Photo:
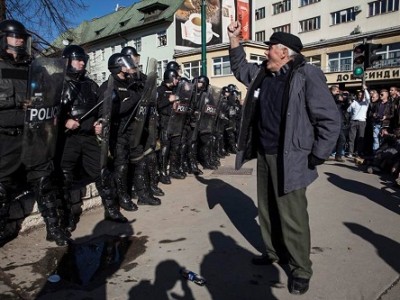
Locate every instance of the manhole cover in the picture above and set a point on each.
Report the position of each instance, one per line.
(232, 171)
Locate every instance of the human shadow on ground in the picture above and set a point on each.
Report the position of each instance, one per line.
(85, 268)
(381, 197)
(386, 248)
(239, 208)
(230, 274)
(167, 275)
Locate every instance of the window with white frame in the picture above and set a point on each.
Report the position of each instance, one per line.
(310, 24)
(390, 56)
(221, 66)
(191, 69)
(137, 44)
(343, 16)
(103, 52)
(281, 6)
(314, 60)
(382, 6)
(103, 76)
(307, 2)
(161, 65)
(95, 77)
(260, 36)
(256, 59)
(112, 49)
(162, 38)
(283, 28)
(260, 13)
(94, 57)
(340, 61)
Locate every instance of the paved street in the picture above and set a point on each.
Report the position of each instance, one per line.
(209, 225)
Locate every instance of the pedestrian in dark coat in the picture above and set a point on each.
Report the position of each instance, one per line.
(290, 123)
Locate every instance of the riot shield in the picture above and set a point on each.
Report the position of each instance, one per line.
(180, 109)
(105, 120)
(149, 96)
(208, 113)
(45, 87)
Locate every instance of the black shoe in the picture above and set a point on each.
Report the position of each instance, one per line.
(176, 175)
(115, 216)
(164, 179)
(149, 201)
(128, 205)
(156, 191)
(263, 260)
(298, 286)
(58, 236)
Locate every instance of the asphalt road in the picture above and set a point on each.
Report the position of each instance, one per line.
(209, 225)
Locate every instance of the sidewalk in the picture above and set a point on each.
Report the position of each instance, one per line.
(209, 225)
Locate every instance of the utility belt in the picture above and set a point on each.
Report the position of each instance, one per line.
(11, 131)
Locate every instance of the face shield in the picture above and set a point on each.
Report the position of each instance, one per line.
(21, 44)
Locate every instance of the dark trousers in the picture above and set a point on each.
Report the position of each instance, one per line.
(82, 151)
(357, 130)
(283, 219)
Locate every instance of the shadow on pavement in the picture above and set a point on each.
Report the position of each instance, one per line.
(167, 274)
(238, 207)
(230, 275)
(374, 194)
(386, 248)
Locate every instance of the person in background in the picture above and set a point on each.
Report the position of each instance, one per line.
(358, 120)
(290, 124)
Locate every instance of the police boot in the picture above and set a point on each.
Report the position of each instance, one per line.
(121, 178)
(193, 167)
(47, 203)
(231, 142)
(133, 192)
(184, 159)
(174, 165)
(145, 198)
(108, 198)
(164, 175)
(221, 152)
(151, 163)
(4, 209)
(68, 217)
(205, 155)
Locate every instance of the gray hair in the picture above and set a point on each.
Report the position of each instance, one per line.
(291, 53)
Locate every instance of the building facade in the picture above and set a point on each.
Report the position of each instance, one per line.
(329, 30)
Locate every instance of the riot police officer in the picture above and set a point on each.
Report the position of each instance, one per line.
(14, 61)
(81, 145)
(127, 98)
(169, 143)
(205, 123)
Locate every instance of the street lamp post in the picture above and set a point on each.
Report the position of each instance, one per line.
(203, 39)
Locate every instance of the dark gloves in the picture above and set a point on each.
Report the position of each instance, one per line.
(314, 161)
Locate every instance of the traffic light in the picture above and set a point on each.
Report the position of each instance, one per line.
(371, 55)
(359, 59)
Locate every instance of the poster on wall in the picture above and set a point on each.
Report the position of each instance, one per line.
(243, 16)
(219, 14)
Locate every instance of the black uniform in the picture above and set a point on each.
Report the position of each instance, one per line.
(13, 95)
(82, 147)
(169, 143)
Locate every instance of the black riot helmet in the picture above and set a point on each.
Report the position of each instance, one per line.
(75, 52)
(231, 87)
(13, 28)
(129, 50)
(224, 90)
(169, 75)
(119, 60)
(173, 65)
(204, 80)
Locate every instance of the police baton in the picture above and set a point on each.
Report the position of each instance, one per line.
(87, 113)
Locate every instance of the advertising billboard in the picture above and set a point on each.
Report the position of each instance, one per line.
(219, 14)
